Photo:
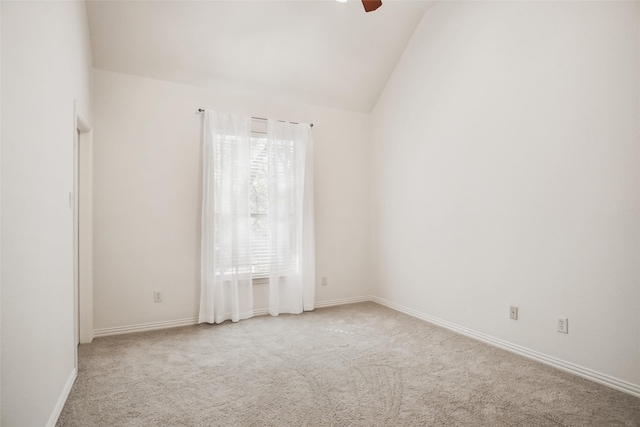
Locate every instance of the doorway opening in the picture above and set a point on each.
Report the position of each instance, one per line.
(81, 198)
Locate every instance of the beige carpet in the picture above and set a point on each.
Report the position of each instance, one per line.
(353, 365)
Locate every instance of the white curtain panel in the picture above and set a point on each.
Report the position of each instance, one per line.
(290, 218)
(226, 282)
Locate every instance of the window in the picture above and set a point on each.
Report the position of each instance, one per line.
(266, 212)
(257, 216)
(259, 202)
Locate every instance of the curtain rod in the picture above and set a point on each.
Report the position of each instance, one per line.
(200, 110)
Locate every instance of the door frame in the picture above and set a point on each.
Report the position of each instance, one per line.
(82, 228)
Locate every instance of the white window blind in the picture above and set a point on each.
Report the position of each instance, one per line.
(273, 203)
(259, 202)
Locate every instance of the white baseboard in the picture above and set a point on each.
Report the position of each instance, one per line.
(589, 374)
(320, 304)
(583, 372)
(342, 301)
(261, 312)
(57, 410)
(104, 332)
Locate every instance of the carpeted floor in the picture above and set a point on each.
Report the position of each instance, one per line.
(353, 365)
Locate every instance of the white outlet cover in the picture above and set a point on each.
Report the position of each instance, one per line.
(563, 325)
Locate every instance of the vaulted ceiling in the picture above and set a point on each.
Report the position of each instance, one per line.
(318, 52)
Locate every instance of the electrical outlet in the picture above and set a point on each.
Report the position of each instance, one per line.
(324, 281)
(513, 313)
(157, 296)
(563, 325)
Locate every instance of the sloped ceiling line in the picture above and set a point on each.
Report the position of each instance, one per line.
(322, 53)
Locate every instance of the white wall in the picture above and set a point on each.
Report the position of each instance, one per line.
(46, 64)
(0, 210)
(505, 169)
(147, 196)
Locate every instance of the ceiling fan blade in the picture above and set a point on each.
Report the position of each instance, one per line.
(371, 5)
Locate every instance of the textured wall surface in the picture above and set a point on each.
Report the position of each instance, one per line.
(46, 65)
(505, 172)
(148, 190)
